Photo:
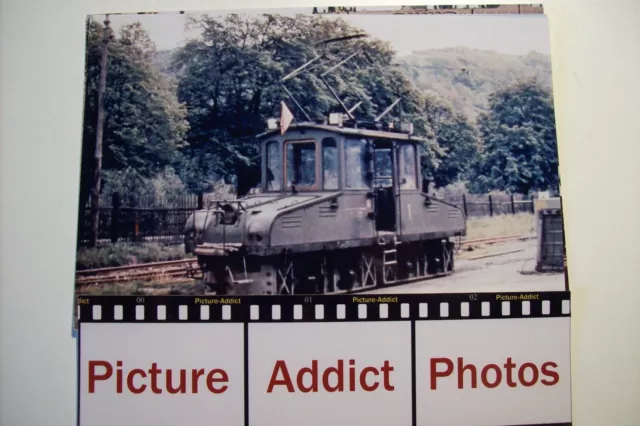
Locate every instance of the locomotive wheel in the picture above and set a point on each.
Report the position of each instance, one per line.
(331, 273)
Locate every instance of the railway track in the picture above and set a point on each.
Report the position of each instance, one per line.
(186, 268)
(189, 269)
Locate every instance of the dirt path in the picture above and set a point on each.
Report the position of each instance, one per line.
(491, 274)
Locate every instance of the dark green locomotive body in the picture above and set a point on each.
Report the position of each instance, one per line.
(339, 209)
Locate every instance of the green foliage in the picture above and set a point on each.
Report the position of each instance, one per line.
(519, 150)
(123, 254)
(460, 141)
(145, 126)
(180, 121)
(133, 186)
(456, 139)
(229, 80)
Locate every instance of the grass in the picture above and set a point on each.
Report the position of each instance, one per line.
(157, 287)
(501, 225)
(127, 254)
(122, 289)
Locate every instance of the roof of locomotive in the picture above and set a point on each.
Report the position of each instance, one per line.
(349, 131)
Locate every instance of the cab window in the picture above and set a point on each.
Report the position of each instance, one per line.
(355, 166)
(301, 163)
(408, 178)
(274, 167)
(330, 163)
(383, 165)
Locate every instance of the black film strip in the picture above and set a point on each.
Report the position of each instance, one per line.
(335, 308)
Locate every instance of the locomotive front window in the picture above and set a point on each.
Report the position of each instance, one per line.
(356, 166)
(274, 167)
(408, 175)
(330, 163)
(301, 164)
(383, 163)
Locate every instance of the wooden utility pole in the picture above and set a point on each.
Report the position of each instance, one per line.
(97, 170)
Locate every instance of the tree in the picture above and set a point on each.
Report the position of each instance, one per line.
(144, 124)
(229, 80)
(455, 142)
(519, 146)
(458, 140)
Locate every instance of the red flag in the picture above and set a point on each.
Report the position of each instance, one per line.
(286, 117)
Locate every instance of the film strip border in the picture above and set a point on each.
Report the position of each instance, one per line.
(346, 308)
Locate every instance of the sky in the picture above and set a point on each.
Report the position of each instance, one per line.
(512, 34)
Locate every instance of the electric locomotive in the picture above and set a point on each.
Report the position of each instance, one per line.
(341, 207)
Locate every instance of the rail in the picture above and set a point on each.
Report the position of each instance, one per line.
(185, 268)
(96, 271)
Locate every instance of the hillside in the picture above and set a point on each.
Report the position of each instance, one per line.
(162, 61)
(441, 71)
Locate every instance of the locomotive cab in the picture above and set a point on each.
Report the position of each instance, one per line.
(372, 166)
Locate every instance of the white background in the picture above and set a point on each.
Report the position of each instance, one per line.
(176, 346)
(596, 66)
(483, 342)
(369, 343)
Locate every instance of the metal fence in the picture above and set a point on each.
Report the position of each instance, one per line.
(151, 220)
(475, 205)
(162, 220)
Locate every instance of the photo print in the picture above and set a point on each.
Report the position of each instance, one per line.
(320, 150)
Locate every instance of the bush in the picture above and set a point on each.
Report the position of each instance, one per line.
(133, 187)
(127, 254)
